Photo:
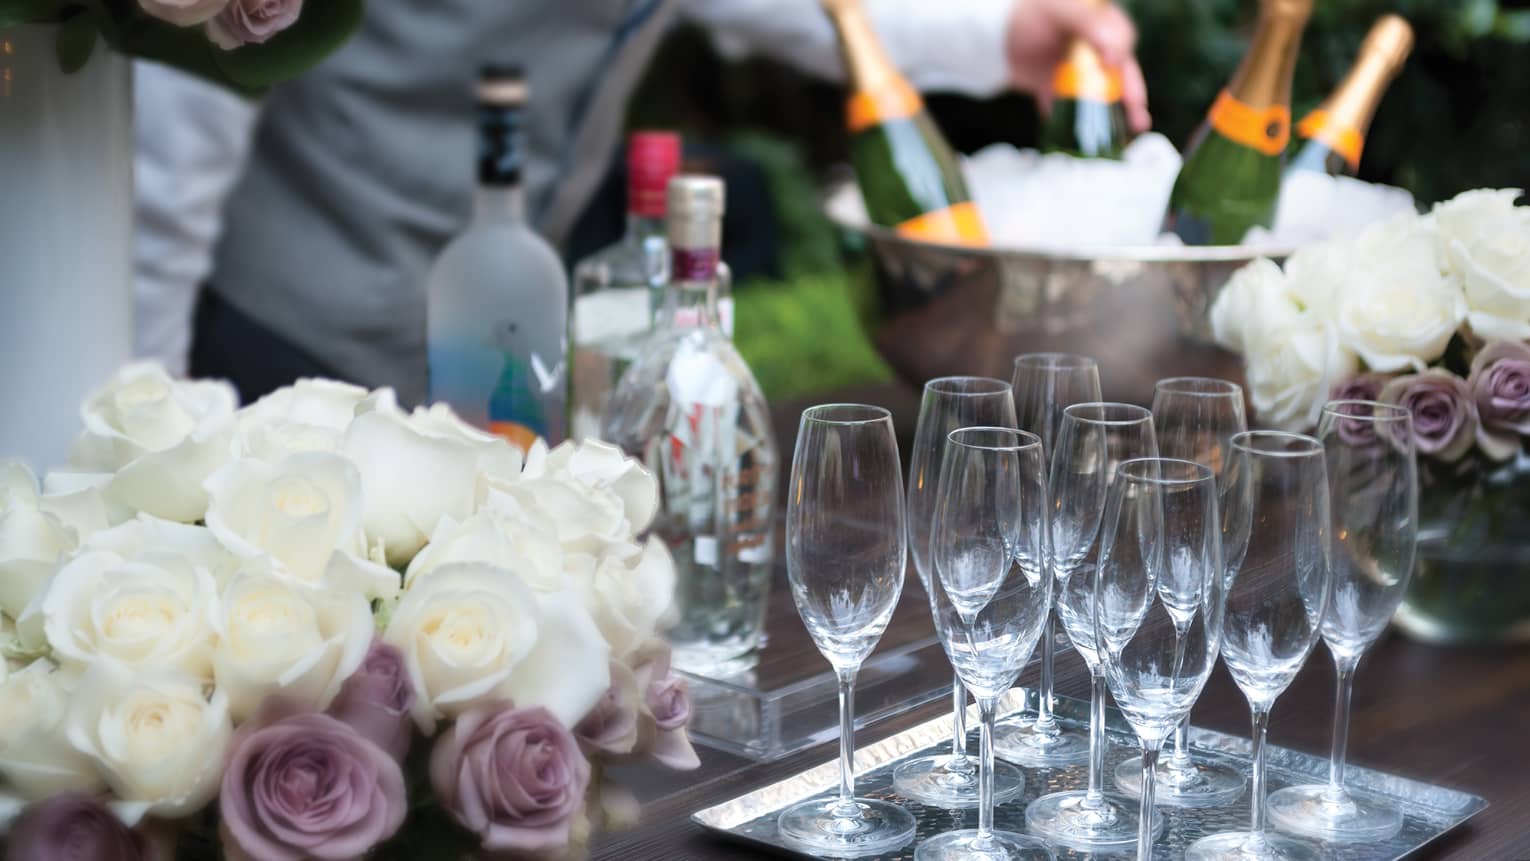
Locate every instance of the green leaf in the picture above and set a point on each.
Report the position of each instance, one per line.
(76, 38)
(319, 31)
(13, 12)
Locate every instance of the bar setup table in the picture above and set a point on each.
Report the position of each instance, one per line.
(1447, 716)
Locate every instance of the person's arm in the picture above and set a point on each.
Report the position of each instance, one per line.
(192, 141)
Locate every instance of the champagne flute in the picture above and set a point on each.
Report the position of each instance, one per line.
(1195, 419)
(949, 403)
(845, 552)
(1276, 535)
(989, 593)
(1045, 384)
(1373, 497)
(1157, 645)
(1093, 441)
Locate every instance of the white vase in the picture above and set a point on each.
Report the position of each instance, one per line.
(66, 232)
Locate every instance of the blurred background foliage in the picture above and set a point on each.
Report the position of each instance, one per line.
(1457, 117)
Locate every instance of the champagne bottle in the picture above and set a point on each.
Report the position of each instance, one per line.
(908, 174)
(1333, 135)
(1230, 180)
(1087, 119)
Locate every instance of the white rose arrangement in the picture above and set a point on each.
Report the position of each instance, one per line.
(207, 595)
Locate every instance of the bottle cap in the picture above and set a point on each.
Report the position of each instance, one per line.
(1391, 38)
(501, 84)
(653, 157)
(695, 196)
(695, 225)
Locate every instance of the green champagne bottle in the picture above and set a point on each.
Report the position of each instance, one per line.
(1087, 119)
(1230, 180)
(908, 174)
(1333, 135)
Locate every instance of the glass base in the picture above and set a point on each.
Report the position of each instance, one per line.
(931, 780)
(1251, 846)
(1022, 743)
(1202, 784)
(870, 827)
(964, 845)
(1310, 812)
(1063, 818)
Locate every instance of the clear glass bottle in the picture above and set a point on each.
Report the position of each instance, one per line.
(497, 298)
(689, 407)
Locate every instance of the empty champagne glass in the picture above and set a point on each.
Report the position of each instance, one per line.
(1158, 602)
(1195, 419)
(1094, 440)
(989, 592)
(1276, 536)
(845, 554)
(1045, 384)
(1373, 498)
(949, 403)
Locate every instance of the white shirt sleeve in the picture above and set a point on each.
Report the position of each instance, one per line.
(192, 138)
(942, 45)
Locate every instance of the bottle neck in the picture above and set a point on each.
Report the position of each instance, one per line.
(498, 204)
(1344, 118)
(867, 65)
(1264, 78)
(691, 300)
(499, 195)
(642, 227)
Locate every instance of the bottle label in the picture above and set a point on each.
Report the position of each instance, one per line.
(870, 108)
(499, 144)
(957, 224)
(1344, 140)
(693, 264)
(1265, 130)
(1089, 81)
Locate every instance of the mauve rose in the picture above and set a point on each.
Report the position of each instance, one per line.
(183, 13)
(243, 22)
(1361, 387)
(514, 777)
(666, 710)
(303, 785)
(74, 826)
(611, 727)
(376, 700)
(1500, 387)
(1444, 419)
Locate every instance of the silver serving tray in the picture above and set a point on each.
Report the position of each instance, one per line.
(1429, 810)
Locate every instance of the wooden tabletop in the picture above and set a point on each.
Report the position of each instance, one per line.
(1456, 717)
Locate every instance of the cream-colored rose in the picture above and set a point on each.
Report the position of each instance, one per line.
(1396, 309)
(32, 541)
(1484, 240)
(601, 467)
(630, 596)
(310, 415)
(148, 534)
(529, 549)
(588, 493)
(275, 637)
(305, 512)
(1255, 297)
(569, 667)
(1292, 368)
(463, 630)
(154, 610)
(35, 756)
(156, 737)
(160, 437)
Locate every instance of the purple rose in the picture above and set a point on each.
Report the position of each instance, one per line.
(304, 785)
(376, 700)
(611, 727)
(515, 777)
(1444, 419)
(243, 22)
(1500, 389)
(666, 710)
(74, 826)
(1361, 387)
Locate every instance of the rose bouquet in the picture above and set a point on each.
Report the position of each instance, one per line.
(246, 45)
(1432, 313)
(322, 627)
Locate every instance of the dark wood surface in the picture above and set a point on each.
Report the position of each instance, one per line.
(1457, 717)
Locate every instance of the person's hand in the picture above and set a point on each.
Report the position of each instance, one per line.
(1039, 33)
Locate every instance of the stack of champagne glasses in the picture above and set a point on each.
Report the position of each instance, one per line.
(1159, 538)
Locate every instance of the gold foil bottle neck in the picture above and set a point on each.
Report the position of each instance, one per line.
(867, 65)
(1264, 78)
(1390, 41)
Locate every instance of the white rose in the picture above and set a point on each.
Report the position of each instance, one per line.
(147, 533)
(590, 493)
(278, 637)
(161, 438)
(32, 541)
(530, 550)
(632, 595)
(305, 512)
(1396, 309)
(1292, 368)
(1317, 275)
(1256, 296)
(35, 756)
(157, 739)
(1484, 240)
(462, 630)
(154, 610)
(83, 501)
(309, 415)
(569, 667)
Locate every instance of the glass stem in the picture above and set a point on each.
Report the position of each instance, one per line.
(1046, 724)
(1095, 797)
(1181, 758)
(987, 708)
(1145, 820)
(958, 721)
(1256, 801)
(1344, 687)
(847, 806)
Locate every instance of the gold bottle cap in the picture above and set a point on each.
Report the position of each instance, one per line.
(1295, 9)
(1391, 39)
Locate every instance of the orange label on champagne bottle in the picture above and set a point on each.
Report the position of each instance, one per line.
(869, 108)
(1342, 139)
(1266, 130)
(1086, 80)
(958, 224)
(515, 433)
